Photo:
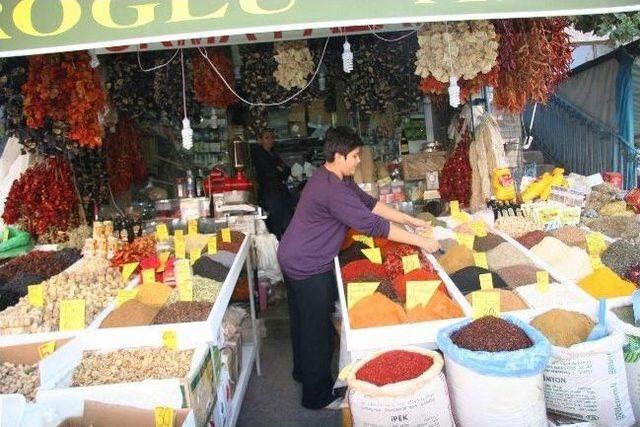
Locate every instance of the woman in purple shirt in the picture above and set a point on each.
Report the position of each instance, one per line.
(330, 204)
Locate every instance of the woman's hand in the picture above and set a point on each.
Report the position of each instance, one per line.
(417, 222)
(429, 245)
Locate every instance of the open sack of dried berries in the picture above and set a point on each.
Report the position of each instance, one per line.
(399, 387)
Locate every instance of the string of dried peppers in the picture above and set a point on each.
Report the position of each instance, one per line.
(124, 161)
(208, 87)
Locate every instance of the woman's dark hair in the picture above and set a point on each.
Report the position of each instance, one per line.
(340, 140)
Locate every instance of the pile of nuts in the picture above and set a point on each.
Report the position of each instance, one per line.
(19, 379)
(95, 281)
(131, 365)
(516, 226)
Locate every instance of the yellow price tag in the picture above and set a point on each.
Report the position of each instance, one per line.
(479, 228)
(596, 262)
(46, 349)
(486, 281)
(364, 239)
(148, 276)
(182, 272)
(192, 227)
(485, 304)
(596, 243)
(5, 234)
(373, 254)
(162, 233)
(35, 295)
(164, 257)
(480, 259)
(212, 246)
(72, 315)
(128, 269)
(125, 295)
(466, 240)
(410, 263)
(178, 233)
(454, 205)
(186, 290)
(226, 235)
(170, 340)
(164, 417)
(358, 291)
(542, 281)
(179, 247)
(195, 255)
(420, 293)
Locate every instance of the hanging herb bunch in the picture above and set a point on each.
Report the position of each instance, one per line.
(43, 199)
(380, 76)
(208, 87)
(90, 176)
(124, 161)
(167, 88)
(295, 64)
(465, 50)
(535, 57)
(130, 89)
(65, 89)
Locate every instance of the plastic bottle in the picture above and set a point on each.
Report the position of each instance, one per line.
(191, 185)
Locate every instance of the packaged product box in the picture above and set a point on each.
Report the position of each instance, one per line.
(415, 166)
(99, 414)
(196, 391)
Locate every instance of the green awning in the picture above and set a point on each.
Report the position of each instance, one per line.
(40, 26)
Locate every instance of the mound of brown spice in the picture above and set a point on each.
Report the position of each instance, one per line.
(491, 334)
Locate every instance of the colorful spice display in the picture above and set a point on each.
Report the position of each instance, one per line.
(605, 283)
(468, 279)
(393, 367)
(43, 198)
(564, 328)
(376, 310)
(456, 258)
(491, 334)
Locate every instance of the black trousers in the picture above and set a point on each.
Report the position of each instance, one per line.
(311, 302)
(280, 210)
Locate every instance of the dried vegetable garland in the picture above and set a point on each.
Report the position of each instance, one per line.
(130, 88)
(43, 198)
(208, 87)
(64, 88)
(295, 64)
(462, 50)
(125, 164)
(90, 176)
(534, 58)
(455, 178)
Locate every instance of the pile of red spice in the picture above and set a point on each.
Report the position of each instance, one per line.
(393, 367)
(393, 259)
(355, 269)
(491, 334)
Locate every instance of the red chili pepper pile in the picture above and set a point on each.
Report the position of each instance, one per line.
(43, 198)
(455, 178)
(393, 367)
(64, 87)
(393, 260)
(207, 85)
(141, 248)
(355, 269)
(124, 161)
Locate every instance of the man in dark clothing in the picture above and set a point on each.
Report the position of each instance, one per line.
(330, 203)
(271, 173)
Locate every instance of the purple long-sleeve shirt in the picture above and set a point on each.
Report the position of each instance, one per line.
(327, 208)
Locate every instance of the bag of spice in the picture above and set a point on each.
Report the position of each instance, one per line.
(495, 388)
(399, 387)
(587, 381)
(623, 321)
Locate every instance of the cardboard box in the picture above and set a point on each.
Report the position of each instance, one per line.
(196, 391)
(97, 414)
(415, 166)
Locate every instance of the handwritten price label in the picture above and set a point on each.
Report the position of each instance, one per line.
(542, 281)
(485, 304)
(178, 233)
(182, 271)
(192, 227)
(162, 233)
(486, 281)
(480, 260)
(170, 340)
(466, 240)
(364, 239)
(164, 257)
(179, 247)
(186, 291)
(454, 205)
(148, 276)
(358, 291)
(128, 269)
(373, 255)
(195, 255)
(212, 246)
(479, 228)
(410, 263)
(35, 295)
(72, 315)
(164, 417)
(226, 235)
(419, 293)
(46, 349)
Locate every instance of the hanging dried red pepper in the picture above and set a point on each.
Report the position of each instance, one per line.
(124, 161)
(208, 86)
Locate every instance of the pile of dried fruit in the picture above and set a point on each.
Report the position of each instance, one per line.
(19, 379)
(141, 248)
(43, 198)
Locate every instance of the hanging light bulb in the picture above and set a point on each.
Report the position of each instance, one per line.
(454, 92)
(347, 57)
(95, 62)
(187, 134)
